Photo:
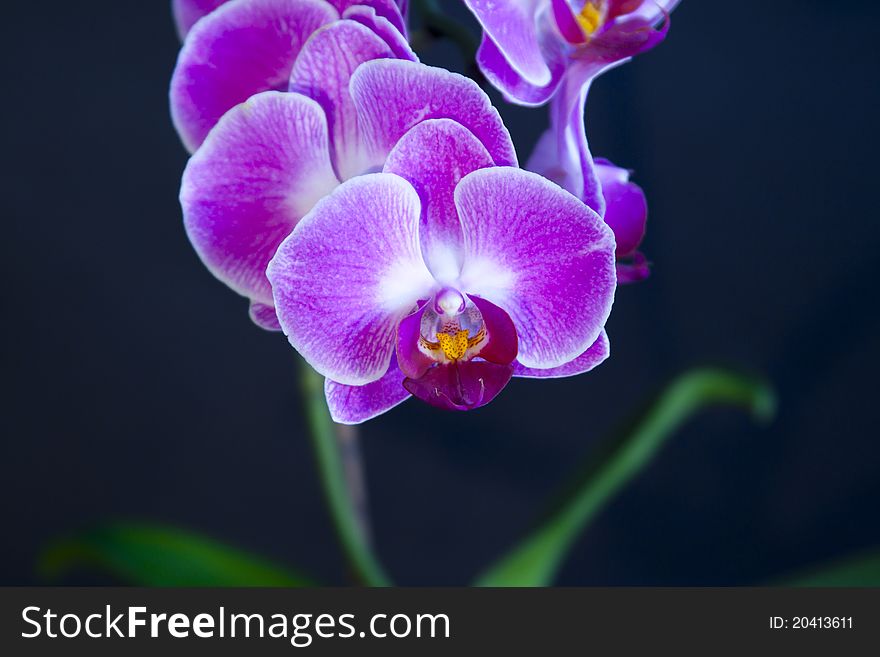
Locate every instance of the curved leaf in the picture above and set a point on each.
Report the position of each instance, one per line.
(858, 570)
(153, 555)
(536, 559)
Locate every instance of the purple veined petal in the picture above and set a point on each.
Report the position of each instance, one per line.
(626, 209)
(502, 344)
(368, 17)
(626, 34)
(188, 12)
(545, 161)
(234, 52)
(411, 360)
(433, 156)
(356, 404)
(460, 386)
(387, 9)
(541, 255)
(262, 167)
(512, 85)
(264, 316)
(322, 71)
(633, 270)
(386, 114)
(346, 276)
(513, 29)
(597, 353)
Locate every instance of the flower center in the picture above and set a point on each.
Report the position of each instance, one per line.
(590, 18)
(452, 328)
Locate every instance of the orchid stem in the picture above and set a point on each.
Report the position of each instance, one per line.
(342, 476)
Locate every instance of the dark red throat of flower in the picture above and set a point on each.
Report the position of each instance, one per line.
(460, 385)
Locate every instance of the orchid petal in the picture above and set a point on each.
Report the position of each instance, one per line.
(433, 156)
(356, 404)
(259, 171)
(234, 52)
(322, 71)
(542, 256)
(626, 209)
(411, 360)
(512, 85)
(368, 17)
(460, 386)
(264, 316)
(348, 274)
(513, 28)
(188, 12)
(501, 344)
(387, 9)
(393, 95)
(593, 356)
(545, 161)
(564, 18)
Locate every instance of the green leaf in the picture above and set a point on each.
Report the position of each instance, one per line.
(153, 555)
(858, 570)
(536, 560)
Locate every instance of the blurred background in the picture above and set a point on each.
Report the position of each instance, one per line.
(137, 387)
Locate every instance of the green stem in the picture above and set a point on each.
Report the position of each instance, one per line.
(535, 560)
(341, 474)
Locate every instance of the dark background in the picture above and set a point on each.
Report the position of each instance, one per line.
(136, 386)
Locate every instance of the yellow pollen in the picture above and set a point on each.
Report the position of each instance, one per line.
(454, 345)
(590, 18)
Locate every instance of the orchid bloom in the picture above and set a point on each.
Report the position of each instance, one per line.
(441, 277)
(233, 50)
(535, 50)
(188, 12)
(269, 160)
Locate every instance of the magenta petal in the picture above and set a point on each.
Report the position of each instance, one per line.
(502, 344)
(348, 274)
(238, 50)
(627, 36)
(563, 17)
(393, 95)
(387, 9)
(545, 161)
(460, 386)
(512, 85)
(356, 404)
(542, 256)
(188, 12)
(411, 360)
(264, 316)
(513, 28)
(260, 170)
(626, 209)
(322, 71)
(368, 17)
(593, 356)
(433, 157)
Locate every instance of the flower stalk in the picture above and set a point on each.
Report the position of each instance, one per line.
(340, 470)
